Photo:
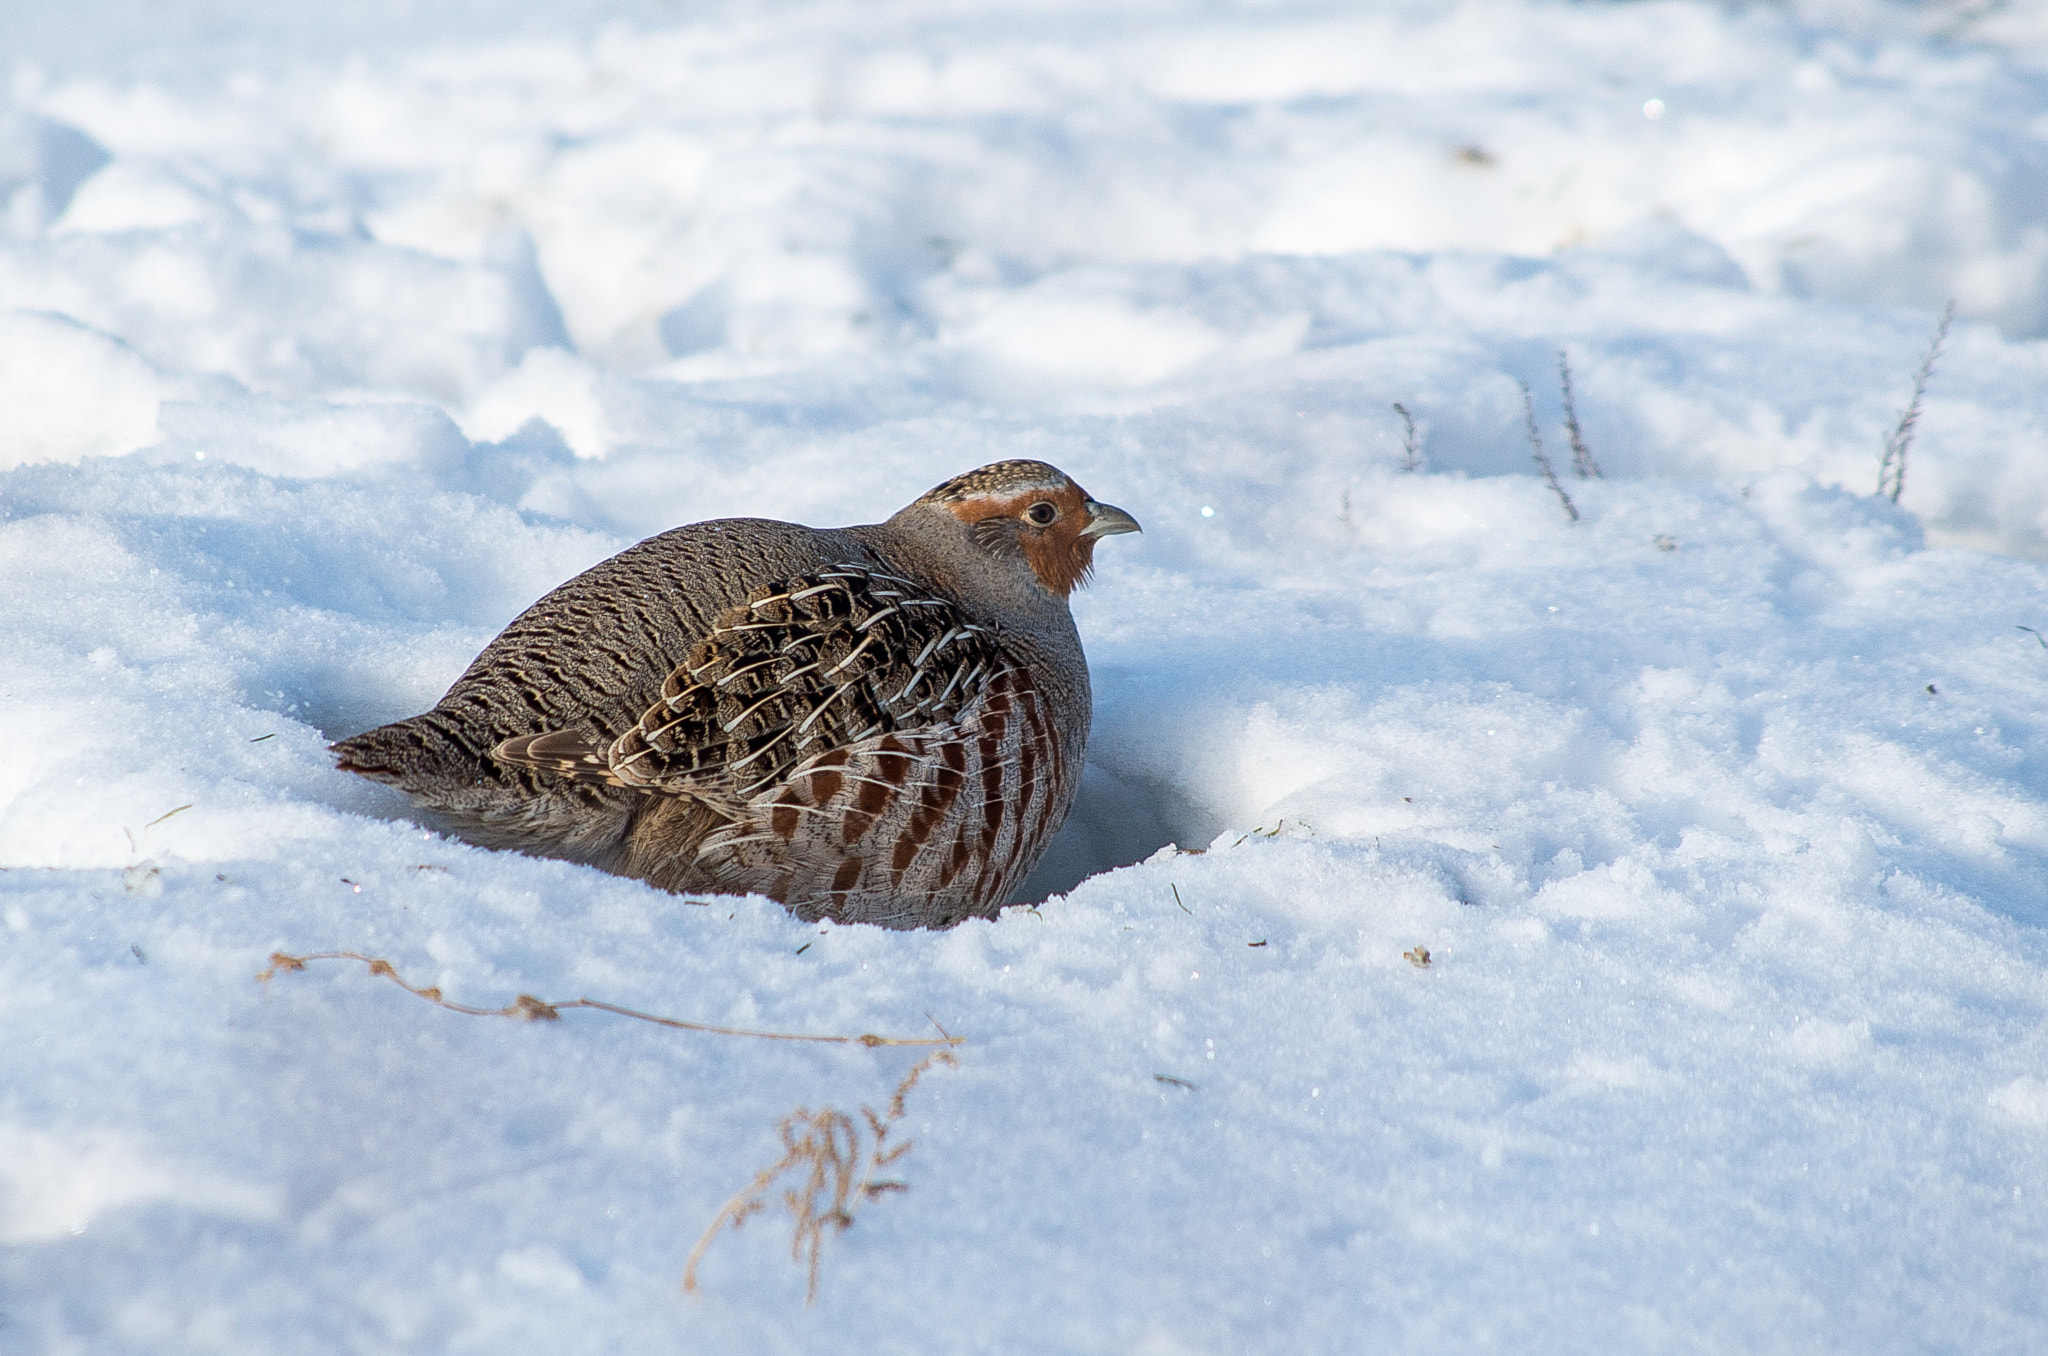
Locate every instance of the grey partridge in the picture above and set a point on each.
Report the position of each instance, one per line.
(880, 724)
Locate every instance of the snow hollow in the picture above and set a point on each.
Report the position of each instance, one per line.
(1482, 928)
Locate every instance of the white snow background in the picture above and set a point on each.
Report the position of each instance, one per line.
(332, 335)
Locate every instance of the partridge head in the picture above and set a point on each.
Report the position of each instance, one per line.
(883, 723)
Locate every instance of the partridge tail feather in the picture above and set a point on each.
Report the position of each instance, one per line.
(365, 757)
(511, 796)
(406, 751)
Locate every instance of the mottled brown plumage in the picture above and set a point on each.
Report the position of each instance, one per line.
(882, 723)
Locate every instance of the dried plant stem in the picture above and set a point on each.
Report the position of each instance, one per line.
(1891, 467)
(837, 1175)
(1542, 457)
(1583, 464)
(527, 1008)
(1411, 449)
(135, 840)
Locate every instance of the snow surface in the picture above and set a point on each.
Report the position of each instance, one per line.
(332, 335)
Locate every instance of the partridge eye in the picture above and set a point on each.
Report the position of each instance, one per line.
(1041, 514)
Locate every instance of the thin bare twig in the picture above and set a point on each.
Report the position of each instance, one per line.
(1891, 467)
(1583, 464)
(527, 1008)
(1542, 457)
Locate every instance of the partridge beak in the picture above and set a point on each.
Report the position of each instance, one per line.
(1107, 520)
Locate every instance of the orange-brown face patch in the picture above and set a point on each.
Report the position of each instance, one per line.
(1057, 553)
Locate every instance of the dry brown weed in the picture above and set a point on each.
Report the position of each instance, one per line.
(837, 1168)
